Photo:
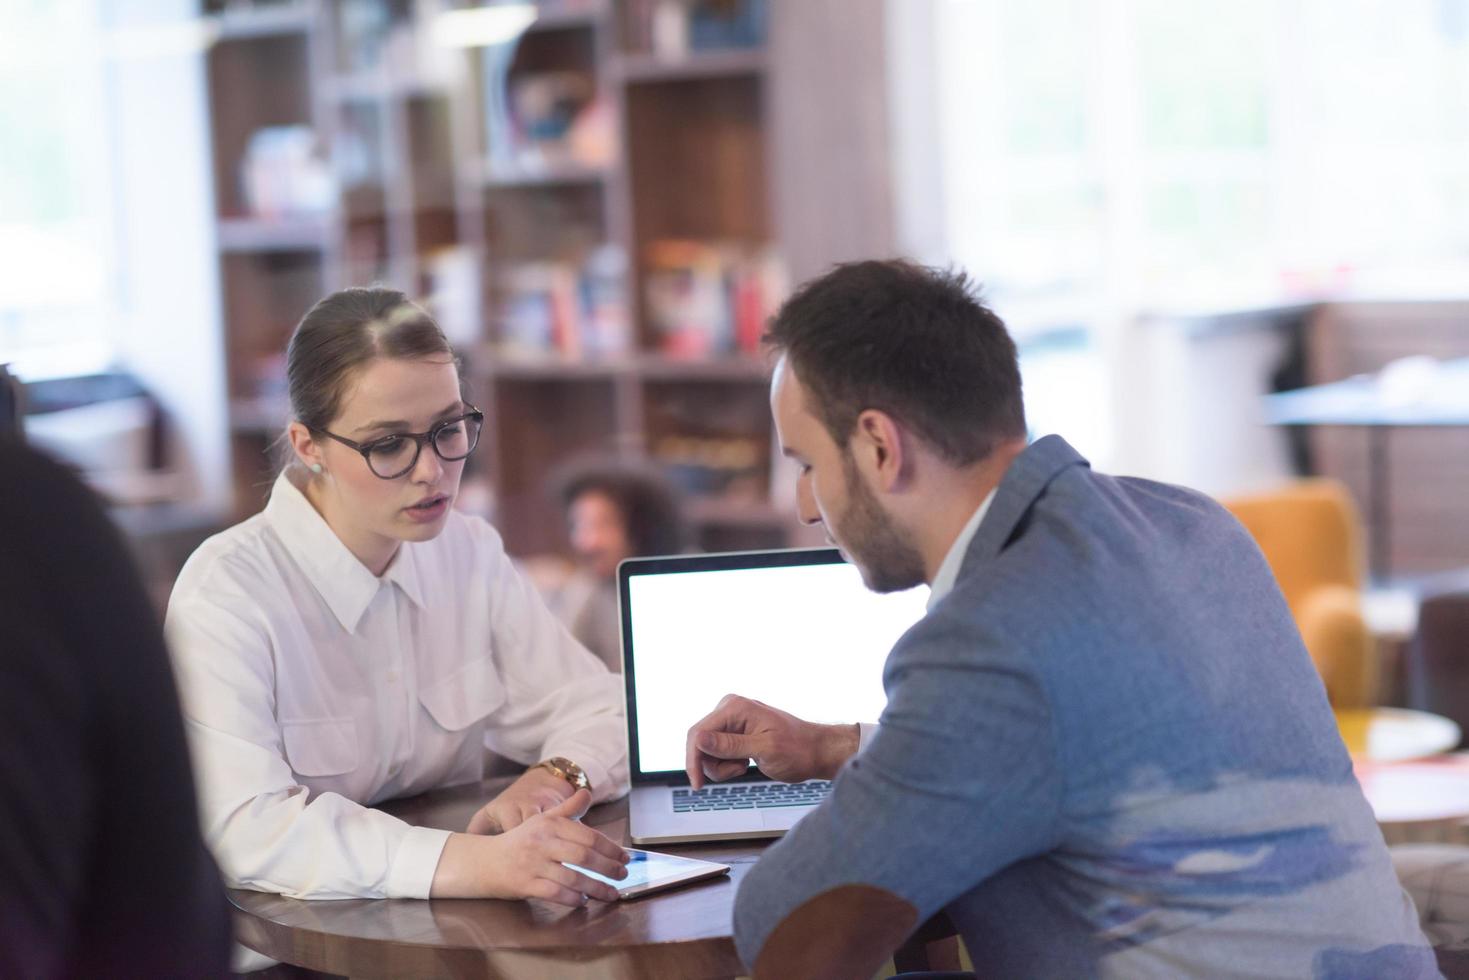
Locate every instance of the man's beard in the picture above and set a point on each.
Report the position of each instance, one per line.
(887, 558)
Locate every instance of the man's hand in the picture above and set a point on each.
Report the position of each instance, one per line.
(536, 791)
(526, 862)
(721, 745)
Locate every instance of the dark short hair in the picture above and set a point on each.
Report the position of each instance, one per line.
(909, 340)
(647, 502)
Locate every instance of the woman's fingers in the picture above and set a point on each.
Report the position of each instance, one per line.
(555, 836)
(484, 822)
(573, 806)
(587, 858)
(549, 891)
(590, 838)
(576, 881)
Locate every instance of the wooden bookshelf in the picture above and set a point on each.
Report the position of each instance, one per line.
(682, 147)
(262, 235)
(635, 68)
(545, 176)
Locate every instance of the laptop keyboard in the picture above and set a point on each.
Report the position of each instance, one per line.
(750, 796)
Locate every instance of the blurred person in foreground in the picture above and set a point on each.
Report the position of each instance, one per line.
(1105, 751)
(613, 511)
(103, 872)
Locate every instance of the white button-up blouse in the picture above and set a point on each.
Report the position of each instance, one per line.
(313, 689)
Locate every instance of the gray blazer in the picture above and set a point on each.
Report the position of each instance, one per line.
(1106, 753)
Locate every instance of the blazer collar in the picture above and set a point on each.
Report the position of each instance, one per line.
(1025, 480)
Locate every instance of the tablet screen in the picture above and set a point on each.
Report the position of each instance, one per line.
(650, 871)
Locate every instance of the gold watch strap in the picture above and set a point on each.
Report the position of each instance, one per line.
(567, 770)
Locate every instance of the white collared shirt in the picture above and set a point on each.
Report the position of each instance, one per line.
(943, 584)
(313, 689)
(948, 573)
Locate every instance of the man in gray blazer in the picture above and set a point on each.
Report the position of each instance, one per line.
(1105, 751)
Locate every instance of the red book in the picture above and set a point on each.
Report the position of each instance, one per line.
(749, 311)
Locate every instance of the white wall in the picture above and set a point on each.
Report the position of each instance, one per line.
(1194, 411)
(169, 332)
(919, 225)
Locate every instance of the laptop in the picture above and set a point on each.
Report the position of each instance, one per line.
(795, 629)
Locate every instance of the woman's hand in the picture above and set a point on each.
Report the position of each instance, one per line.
(526, 861)
(536, 791)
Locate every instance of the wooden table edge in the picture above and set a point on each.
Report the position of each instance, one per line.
(316, 949)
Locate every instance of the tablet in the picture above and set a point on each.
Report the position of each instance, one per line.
(649, 871)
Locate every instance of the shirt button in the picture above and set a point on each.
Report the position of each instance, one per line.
(392, 677)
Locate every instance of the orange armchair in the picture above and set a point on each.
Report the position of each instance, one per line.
(1311, 535)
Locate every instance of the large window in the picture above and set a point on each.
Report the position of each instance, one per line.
(55, 201)
(1158, 151)
(1102, 158)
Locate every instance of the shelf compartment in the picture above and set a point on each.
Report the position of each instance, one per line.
(265, 296)
(258, 82)
(542, 424)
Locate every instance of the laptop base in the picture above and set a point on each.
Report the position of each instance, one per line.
(651, 820)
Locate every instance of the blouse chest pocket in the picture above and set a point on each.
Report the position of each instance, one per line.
(464, 697)
(326, 747)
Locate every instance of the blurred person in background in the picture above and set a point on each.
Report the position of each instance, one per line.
(102, 868)
(360, 640)
(613, 511)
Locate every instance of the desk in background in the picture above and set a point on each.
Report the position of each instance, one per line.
(1360, 402)
(1418, 794)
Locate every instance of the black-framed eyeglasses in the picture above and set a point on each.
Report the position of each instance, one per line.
(395, 455)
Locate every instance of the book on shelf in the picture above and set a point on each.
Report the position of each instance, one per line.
(720, 24)
(574, 310)
(709, 299)
(540, 121)
(725, 467)
(671, 29)
(363, 31)
(283, 174)
(453, 293)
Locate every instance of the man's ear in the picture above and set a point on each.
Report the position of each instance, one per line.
(883, 450)
(306, 448)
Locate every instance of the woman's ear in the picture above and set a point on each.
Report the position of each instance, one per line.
(306, 448)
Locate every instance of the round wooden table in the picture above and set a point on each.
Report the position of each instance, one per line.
(1420, 802)
(686, 932)
(1395, 734)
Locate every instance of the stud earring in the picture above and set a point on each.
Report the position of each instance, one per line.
(316, 468)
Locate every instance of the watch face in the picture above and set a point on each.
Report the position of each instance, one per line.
(569, 771)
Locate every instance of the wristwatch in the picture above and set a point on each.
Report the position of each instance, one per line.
(567, 770)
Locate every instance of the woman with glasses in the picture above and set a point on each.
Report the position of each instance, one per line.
(360, 640)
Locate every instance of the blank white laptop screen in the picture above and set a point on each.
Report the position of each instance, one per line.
(808, 639)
